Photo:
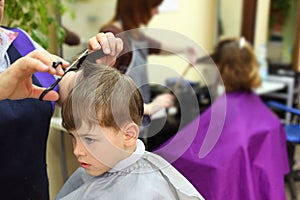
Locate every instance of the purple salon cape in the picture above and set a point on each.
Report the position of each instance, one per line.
(235, 150)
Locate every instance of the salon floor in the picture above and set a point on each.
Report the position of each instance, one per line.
(297, 166)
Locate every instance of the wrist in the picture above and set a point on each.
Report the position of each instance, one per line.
(147, 109)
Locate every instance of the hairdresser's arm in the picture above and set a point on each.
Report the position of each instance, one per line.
(161, 101)
(189, 51)
(16, 81)
(110, 45)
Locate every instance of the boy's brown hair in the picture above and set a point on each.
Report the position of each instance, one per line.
(102, 95)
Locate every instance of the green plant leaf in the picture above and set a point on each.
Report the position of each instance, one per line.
(35, 18)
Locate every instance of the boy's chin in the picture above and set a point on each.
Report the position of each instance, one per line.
(96, 172)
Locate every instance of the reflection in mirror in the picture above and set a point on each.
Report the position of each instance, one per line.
(282, 34)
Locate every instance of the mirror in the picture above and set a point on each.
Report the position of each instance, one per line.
(282, 30)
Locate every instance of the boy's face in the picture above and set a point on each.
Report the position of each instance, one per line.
(98, 149)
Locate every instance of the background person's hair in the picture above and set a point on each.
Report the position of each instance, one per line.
(102, 96)
(237, 64)
(133, 13)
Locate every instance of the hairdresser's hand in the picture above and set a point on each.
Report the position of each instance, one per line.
(110, 44)
(192, 55)
(159, 102)
(16, 81)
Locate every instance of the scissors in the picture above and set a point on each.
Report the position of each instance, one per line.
(93, 56)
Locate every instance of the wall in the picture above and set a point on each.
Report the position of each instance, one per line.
(231, 17)
(89, 16)
(262, 24)
(201, 17)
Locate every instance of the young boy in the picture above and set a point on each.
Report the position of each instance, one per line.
(103, 113)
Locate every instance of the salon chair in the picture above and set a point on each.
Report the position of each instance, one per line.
(290, 94)
(292, 132)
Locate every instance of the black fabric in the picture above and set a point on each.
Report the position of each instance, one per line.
(13, 53)
(24, 131)
(23, 143)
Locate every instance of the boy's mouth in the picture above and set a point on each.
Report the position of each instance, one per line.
(84, 165)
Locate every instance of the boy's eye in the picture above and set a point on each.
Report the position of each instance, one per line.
(89, 140)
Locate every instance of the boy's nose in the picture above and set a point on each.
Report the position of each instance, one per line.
(79, 149)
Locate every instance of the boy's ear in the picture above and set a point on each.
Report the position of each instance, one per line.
(131, 132)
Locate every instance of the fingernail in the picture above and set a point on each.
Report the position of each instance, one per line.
(107, 50)
(45, 67)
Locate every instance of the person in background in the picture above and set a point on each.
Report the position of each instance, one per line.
(114, 163)
(133, 60)
(239, 148)
(25, 123)
(71, 38)
(129, 16)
